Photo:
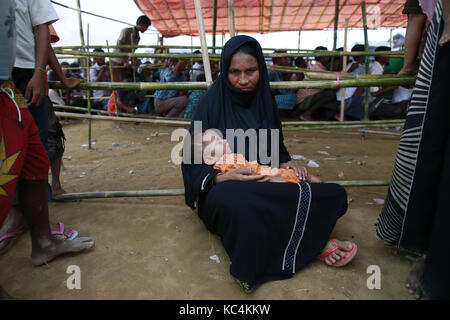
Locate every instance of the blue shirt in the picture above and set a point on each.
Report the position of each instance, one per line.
(168, 76)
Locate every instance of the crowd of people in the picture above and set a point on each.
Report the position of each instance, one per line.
(281, 218)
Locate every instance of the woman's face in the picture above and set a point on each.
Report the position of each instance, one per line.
(243, 72)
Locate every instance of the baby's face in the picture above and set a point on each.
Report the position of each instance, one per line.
(214, 147)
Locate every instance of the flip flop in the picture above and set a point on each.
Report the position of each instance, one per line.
(349, 255)
(61, 232)
(13, 236)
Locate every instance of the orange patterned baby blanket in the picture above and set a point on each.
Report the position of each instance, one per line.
(232, 161)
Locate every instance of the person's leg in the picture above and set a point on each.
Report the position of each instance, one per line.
(162, 106)
(55, 168)
(45, 246)
(180, 104)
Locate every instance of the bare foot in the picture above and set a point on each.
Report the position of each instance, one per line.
(414, 277)
(338, 254)
(57, 191)
(48, 250)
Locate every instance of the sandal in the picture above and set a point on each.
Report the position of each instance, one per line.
(12, 236)
(349, 255)
(73, 235)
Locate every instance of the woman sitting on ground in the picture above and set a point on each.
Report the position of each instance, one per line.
(269, 230)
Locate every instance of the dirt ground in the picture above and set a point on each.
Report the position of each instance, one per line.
(157, 248)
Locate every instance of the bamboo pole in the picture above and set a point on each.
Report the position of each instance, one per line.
(336, 19)
(319, 84)
(88, 77)
(366, 48)
(344, 69)
(123, 119)
(80, 23)
(112, 80)
(288, 126)
(122, 114)
(181, 192)
(205, 55)
(231, 18)
(217, 56)
(215, 26)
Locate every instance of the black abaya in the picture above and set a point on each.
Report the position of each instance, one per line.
(269, 230)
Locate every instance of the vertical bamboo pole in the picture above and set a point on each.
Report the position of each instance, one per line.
(231, 18)
(88, 77)
(299, 34)
(133, 64)
(344, 68)
(112, 80)
(390, 39)
(366, 48)
(80, 23)
(214, 26)
(201, 31)
(336, 20)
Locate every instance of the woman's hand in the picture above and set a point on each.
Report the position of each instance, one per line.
(273, 179)
(242, 174)
(299, 170)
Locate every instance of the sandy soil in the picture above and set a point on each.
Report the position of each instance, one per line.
(157, 248)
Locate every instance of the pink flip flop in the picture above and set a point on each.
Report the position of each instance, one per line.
(61, 232)
(349, 255)
(13, 236)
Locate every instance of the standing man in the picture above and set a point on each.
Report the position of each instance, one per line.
(128, 37)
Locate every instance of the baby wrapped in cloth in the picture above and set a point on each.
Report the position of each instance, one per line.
(232, 161)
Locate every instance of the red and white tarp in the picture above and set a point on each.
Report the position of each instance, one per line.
(177, 17)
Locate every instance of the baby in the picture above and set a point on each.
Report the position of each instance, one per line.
(217, 152)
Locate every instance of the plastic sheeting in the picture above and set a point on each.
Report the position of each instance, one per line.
(177, 17)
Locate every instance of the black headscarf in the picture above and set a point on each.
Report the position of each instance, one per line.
(226, 107)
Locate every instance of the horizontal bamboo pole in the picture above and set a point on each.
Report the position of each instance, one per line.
(122, 114)
(287, 125)
(216, 56)
(305, 123)
(180, 122)
(317, 84)
(356, 125)
(213, 47)
(180, 192)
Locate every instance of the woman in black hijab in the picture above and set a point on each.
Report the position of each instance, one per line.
(269, 230)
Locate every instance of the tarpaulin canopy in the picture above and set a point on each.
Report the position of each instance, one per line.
(177, 17)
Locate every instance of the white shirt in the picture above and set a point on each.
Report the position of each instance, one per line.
(401, 94)
(375, 68)
(349, 92)
(30, 13)
(94, 72)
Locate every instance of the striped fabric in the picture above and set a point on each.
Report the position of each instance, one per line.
(390, 223)
(304, 202)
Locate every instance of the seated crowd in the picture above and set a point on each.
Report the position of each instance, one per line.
(389, 102)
